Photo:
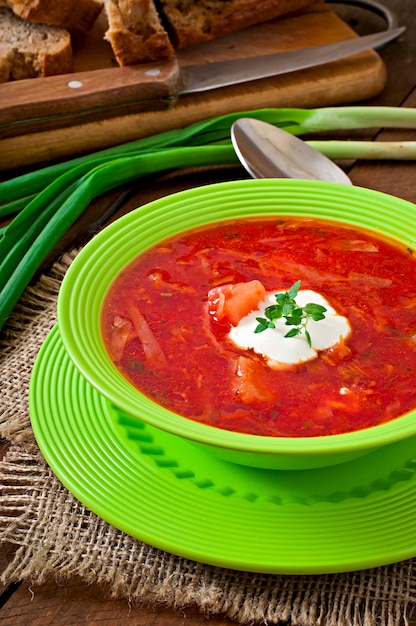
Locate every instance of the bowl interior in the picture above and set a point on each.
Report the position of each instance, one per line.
(89, 277)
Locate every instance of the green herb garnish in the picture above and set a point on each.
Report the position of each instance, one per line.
(294, 315)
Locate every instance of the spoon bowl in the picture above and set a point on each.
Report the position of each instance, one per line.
(270, 152)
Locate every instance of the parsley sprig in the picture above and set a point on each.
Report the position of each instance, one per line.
(294, 315)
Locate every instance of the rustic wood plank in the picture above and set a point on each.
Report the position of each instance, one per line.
(400, 59)
(74, 604)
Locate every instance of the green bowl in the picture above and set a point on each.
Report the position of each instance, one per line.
(94, 269)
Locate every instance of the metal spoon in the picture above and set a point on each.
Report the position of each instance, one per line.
(269, 152)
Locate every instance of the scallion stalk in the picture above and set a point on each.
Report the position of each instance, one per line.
(16, 242)
(22, 261)
(295, 121)
(48, 200)
(15, 206)
(385, 150)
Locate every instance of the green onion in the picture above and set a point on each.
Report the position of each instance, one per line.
(47, 201)
(392, 150)
(295, 121)
(25, 254)
(16, 240)
(15, 206)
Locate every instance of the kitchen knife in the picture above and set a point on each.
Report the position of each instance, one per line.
(73, 97)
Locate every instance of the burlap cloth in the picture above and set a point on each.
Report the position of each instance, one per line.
(57, 537)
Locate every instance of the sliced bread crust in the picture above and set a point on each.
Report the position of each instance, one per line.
(30, 50)
(80, 14)
(135, 32)
(196, 21)
(138, 32)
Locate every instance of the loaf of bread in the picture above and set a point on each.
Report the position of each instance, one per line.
(195, 21)
(138, 32)
(80, 14)
(135, 32)
(30, 50)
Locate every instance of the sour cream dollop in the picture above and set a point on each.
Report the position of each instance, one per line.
(280, 351)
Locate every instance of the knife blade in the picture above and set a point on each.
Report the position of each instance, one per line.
(26, 105)
(224, 73)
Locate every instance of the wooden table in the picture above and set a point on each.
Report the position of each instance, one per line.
(75, 603)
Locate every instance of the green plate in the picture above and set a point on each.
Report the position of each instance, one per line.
(171, 494)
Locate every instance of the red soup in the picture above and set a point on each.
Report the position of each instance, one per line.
(167, 318)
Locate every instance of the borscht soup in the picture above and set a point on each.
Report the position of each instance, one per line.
(282, 327)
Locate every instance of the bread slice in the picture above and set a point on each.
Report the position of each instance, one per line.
(80, 14)
(30, 50)
(195, 21)
(135, 32)
(139, 32)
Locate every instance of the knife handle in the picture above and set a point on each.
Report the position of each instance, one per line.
(61, 100)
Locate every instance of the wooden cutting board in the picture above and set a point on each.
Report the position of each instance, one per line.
(350, 80)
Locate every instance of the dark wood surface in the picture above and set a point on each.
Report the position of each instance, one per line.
(75, 603)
